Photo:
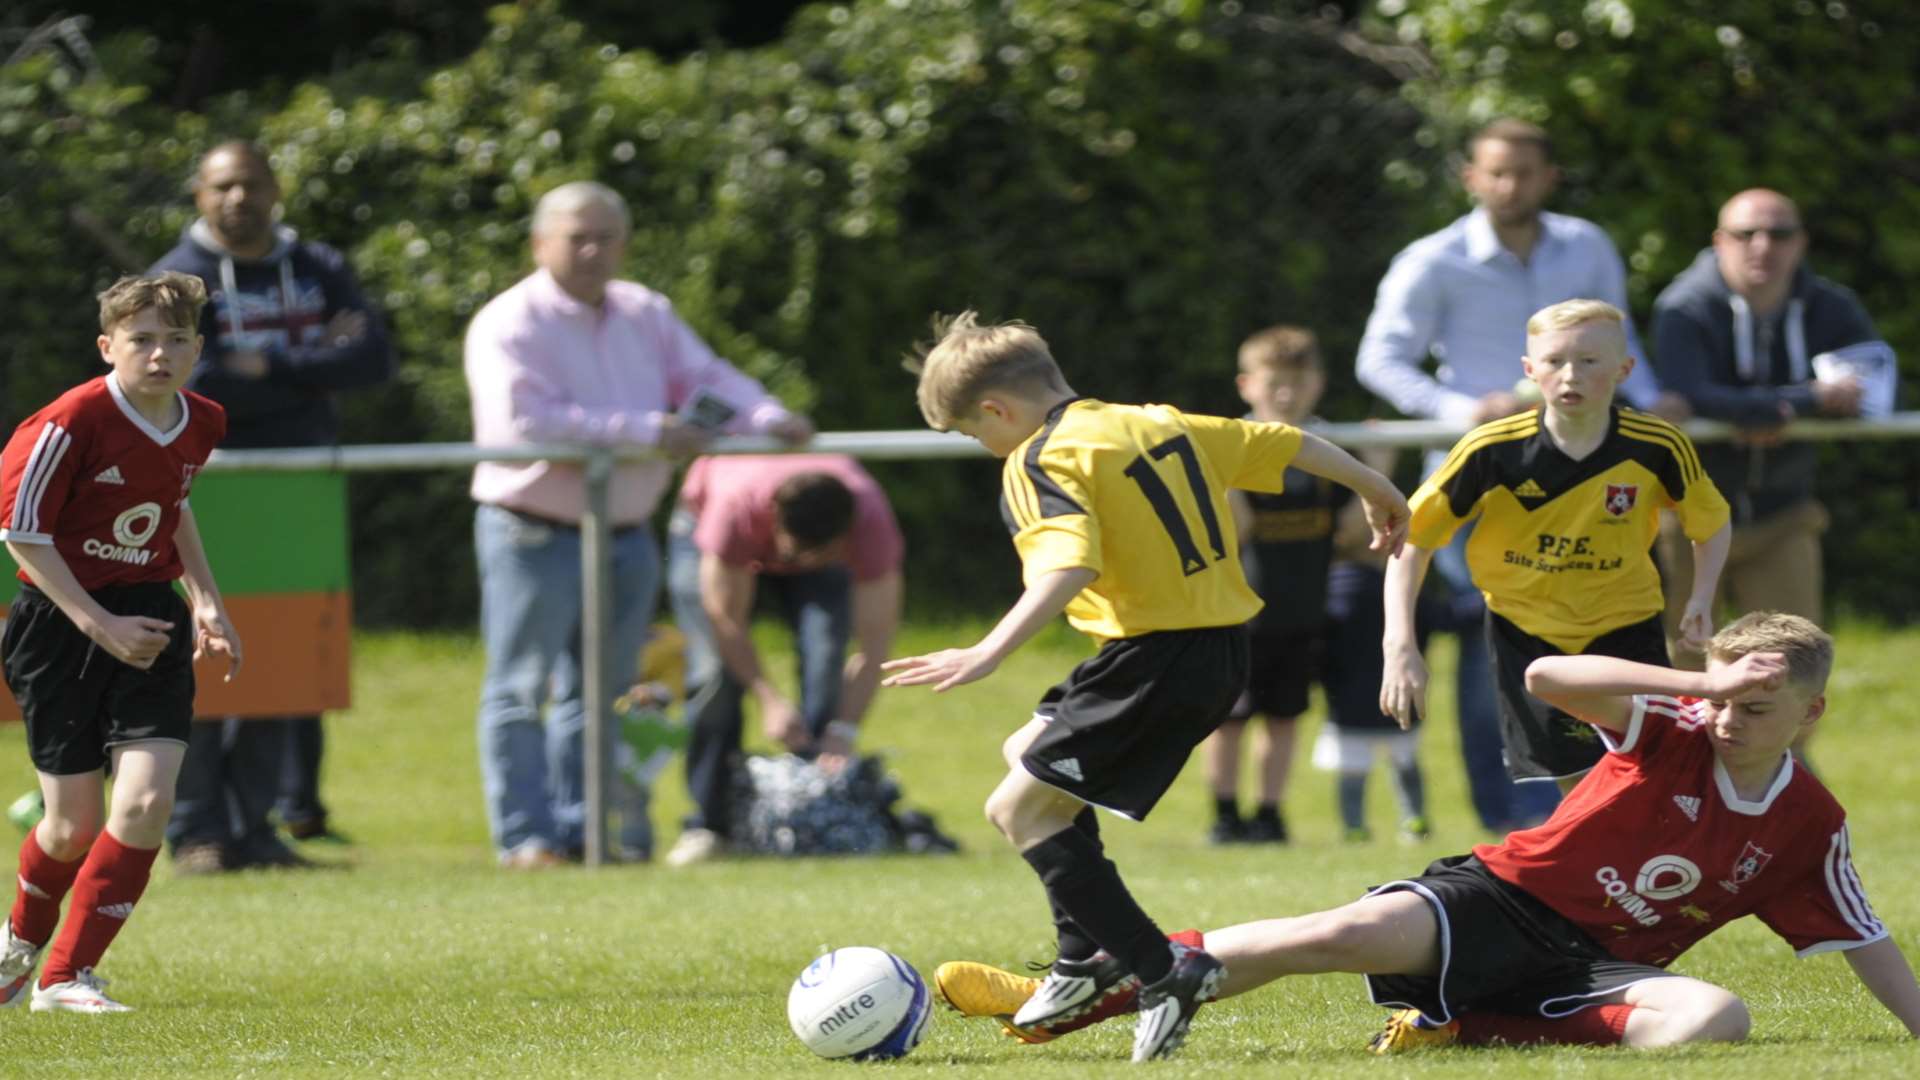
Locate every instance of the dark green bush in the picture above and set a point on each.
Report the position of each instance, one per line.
(1145, 182)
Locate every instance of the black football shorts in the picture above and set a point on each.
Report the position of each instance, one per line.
(78, 700)
(1121, 726)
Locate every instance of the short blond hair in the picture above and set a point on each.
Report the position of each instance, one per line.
(967, 361)
(1807, 648)
(177, 296)
(1281, 348)
(1570, 313)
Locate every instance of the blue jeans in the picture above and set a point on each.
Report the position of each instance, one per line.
(532, 773)
(818, 605)
(1500, 803)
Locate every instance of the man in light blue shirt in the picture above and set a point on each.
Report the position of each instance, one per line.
(1462, 296)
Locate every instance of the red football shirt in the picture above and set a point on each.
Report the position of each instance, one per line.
(91, 476)
(1654, 850)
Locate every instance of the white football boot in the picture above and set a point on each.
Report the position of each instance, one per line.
(18, 957)
(86, 993)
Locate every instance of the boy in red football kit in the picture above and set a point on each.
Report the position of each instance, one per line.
(1695, 816)
(99, 648)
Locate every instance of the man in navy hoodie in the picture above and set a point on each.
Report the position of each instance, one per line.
(286, 328)
(1749, 335)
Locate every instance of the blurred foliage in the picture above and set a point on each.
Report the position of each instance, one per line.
(1662, 110)
(1147, 181)
(207, 49)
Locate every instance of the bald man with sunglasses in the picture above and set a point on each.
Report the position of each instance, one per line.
(1749, 335)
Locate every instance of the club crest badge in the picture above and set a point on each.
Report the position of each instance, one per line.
(1621, 497)
(1753, 859)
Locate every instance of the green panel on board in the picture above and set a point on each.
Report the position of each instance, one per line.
(265, 532)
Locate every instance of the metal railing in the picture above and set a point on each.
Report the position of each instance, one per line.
(598, 461)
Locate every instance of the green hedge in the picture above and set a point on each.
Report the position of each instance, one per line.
(1146, 182)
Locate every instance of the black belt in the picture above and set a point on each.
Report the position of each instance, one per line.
(570, 526)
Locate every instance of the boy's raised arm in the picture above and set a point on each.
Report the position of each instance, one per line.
(1042, 600)
(1600, 689)
(1386, 508)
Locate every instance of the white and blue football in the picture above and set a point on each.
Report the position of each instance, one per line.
(859, 1003)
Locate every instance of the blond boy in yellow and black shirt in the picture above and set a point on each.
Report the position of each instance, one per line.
(1568, 497)
(1120, 516)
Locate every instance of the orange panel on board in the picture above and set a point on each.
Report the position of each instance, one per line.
(296, 648)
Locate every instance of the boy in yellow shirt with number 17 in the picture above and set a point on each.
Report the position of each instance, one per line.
(1120, 516)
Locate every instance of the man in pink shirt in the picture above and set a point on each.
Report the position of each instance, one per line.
(571, 355)
(816, 531)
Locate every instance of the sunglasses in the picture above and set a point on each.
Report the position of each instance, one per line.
(1776, 233)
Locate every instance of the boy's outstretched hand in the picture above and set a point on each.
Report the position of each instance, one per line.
(1754, 671)
(945, 669)
(1388, 519)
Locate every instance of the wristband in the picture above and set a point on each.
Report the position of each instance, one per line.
(844, 729)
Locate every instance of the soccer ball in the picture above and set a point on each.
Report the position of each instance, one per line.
(27, 810)
(859, 1003)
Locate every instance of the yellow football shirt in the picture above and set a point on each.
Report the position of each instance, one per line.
(1563, 546)
(1138, 494)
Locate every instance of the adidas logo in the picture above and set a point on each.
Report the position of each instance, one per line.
(1529, 490)
(115, 911)
(111, 476)
(1689, 805)
(33, 890)
(1069, 768)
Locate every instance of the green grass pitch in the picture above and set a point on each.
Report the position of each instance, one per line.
(419, 958)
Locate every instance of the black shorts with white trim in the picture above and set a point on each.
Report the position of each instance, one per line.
(1501, 950)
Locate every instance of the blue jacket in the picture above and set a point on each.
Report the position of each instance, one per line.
(279, 305)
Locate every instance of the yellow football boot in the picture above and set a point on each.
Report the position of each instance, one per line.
(1402, 1034)
(975, 989)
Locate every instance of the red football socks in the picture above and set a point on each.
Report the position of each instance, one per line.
(44, 881)
(1600, 1025)
(110, 883)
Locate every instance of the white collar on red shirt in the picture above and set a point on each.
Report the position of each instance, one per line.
(1624, 741)
(1739, 805)
(141, 422)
